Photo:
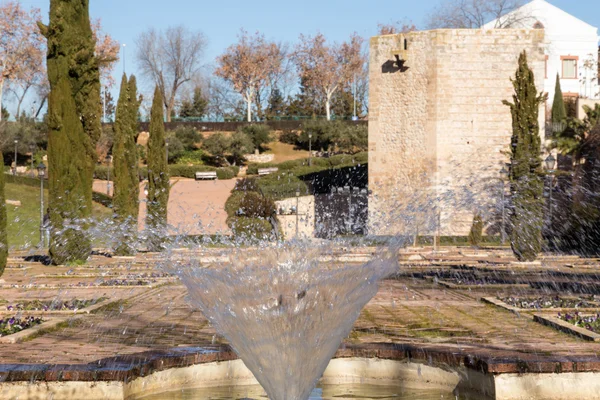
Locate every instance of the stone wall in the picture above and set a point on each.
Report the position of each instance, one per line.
(438, 131)
(296, 222)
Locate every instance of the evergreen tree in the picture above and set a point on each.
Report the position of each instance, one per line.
(195, 108)
(158, 177)
(476, 233)
(559, 112)
(3, 234)
(126, 181)
(74, 111)
(276, 107)
(526, 175)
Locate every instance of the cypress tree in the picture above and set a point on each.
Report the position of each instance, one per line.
(3, 233)
(476, 233)
(526, 175)
(125, 199)
(559, 112)
(74, 110)
(158, 177)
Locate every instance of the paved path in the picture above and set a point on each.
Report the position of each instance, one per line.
(195, 207)
(407, 310)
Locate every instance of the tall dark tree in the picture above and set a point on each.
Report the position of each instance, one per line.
(526, 175)
(3, 222)
(559, 112)
(158, 177)
(125, 199)
(74, 111)
(196, 108)
(276, 107)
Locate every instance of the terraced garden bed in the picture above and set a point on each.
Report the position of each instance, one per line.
(549, 302)
(53, 305)
(589, 322)
(11, 325)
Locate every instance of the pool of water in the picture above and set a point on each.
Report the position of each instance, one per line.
(336, 392)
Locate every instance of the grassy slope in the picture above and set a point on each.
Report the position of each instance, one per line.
(285, 152)
(24, 221)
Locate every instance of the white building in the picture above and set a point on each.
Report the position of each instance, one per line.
(571, 52)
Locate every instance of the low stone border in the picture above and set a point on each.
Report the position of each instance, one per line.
(18, 337)
(493, 286)
(128, 367)
(566, 327)
(518, 310)
(86, 310)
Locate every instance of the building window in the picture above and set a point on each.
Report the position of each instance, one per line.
(569, 67)
(538, 25)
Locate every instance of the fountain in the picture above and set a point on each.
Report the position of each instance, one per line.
(284, 310)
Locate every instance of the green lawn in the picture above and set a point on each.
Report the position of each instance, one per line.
(24, 221)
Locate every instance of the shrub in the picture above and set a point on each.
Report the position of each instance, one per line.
(476, 233)
(251, 229)
(217, 144)
(240, 145)
(283, 190)
(189, 137)
(175, 148)
(323, 134)
(352, 139)
(254, 167)
(289, 137)
(259, 134)
(194, 157)
(102, 198)
(246, 185)
(101, 172)
(232, 205)
(254, 205)
(225, 173)
(189, 171)
(235, 169)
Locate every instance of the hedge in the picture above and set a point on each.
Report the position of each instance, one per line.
(232, 205)
(102, 198)
(254, 167)
(317, 163)
(176, 170)
(225, 173)
(251, 229)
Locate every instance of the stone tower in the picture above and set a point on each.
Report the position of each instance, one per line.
(438, 131)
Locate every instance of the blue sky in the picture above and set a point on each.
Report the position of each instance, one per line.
(278, 20)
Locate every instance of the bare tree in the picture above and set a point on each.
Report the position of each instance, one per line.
(248, 64)
(328, 68)
(393, 28)
(472, 14)
(170, 59)
(21, 45)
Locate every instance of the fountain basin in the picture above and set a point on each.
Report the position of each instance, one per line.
(151, 374)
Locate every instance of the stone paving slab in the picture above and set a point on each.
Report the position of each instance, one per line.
(409, 317)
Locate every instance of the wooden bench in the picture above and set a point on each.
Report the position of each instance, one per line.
(267, 171)
(200, 176)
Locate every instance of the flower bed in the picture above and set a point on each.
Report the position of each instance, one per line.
(548, 302)
(589, 322)
(11, 325)
(53, 305)
(127, 282)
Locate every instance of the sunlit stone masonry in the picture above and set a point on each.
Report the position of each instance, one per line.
(439, 134)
